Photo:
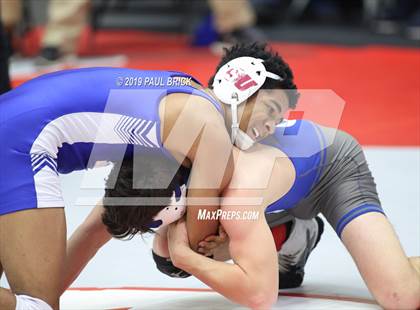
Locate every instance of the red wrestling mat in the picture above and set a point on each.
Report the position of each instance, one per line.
(380, 84)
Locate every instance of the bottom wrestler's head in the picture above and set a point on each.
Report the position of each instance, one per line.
(135, 201)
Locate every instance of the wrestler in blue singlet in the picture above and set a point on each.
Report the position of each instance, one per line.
(332, 175)
(70, 120)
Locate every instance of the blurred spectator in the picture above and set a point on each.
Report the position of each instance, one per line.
(4, 62)
(349, 11)
(399, 16)
(230, 22)
(11, 13)
(329, 11)
(231, 15)
(66, 19)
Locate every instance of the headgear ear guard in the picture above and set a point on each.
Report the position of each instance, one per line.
(234, 83)
(174, 211)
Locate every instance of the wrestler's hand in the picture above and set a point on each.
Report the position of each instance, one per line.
(178, 240)
(212, 244)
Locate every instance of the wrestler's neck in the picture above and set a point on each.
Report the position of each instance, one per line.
(227, 112)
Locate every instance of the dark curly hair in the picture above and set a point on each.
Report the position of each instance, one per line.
(272, 62)
(123, 217)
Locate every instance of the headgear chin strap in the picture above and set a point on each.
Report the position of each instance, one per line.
(239, 138)
(234, 83)
(174, 211)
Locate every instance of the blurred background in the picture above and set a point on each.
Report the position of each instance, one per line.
(365, 51)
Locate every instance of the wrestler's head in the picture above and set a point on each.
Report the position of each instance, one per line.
(135, 201)
(257, 87)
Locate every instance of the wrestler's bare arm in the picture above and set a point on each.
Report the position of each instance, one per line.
(253, 278)
(265, 168)
(251, 281)
(195, 130)
(83, 244)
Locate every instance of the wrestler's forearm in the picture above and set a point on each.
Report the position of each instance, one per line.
(83, 244)
(81, 247)
(230, 280)
(207, 183)
(198, 229)
(415, 263)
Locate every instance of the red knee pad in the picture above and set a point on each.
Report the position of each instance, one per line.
(279, 235)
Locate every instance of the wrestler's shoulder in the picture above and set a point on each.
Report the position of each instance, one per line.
(192, 104)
